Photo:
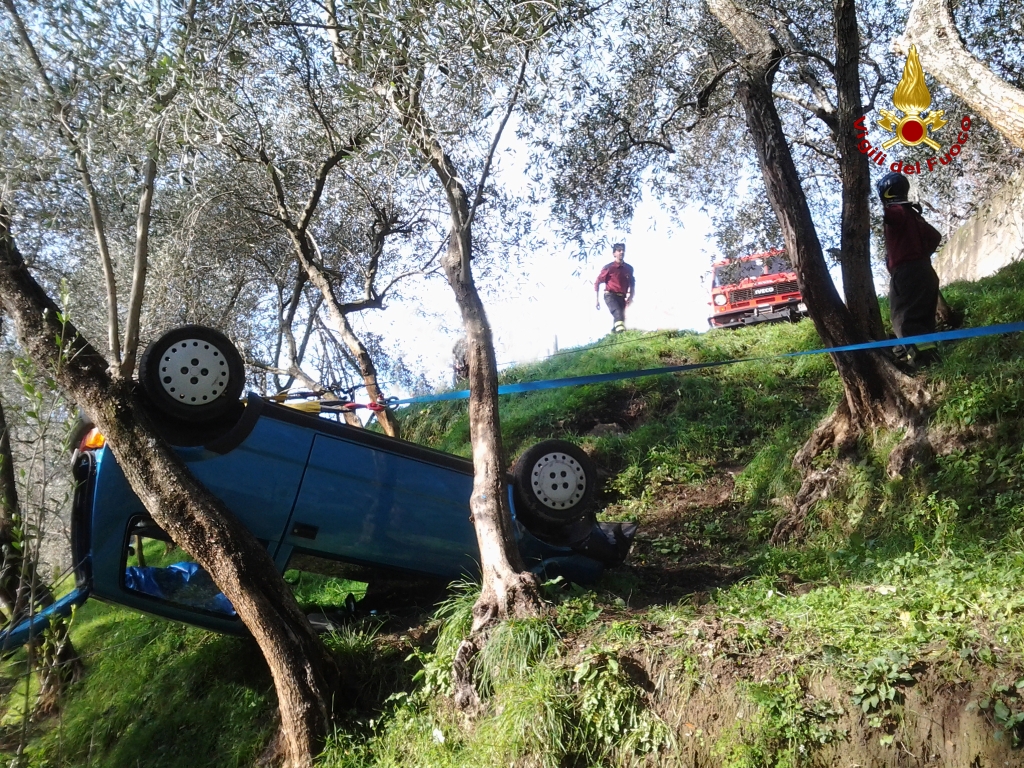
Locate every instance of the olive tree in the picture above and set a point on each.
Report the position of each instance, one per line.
(303, 150)
(95, 104)
(702, 93)
(452, 75)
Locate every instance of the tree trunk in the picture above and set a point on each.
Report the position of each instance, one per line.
(874, 389)
(508, 591)
(339, 322)
(503, 578)
(943, 55)
(297, 352)
(21, 590)
(386, 417)
(305, 251)
(141, 267)
(10, 517)
(305, 675)
(876, 393)
(855, 226)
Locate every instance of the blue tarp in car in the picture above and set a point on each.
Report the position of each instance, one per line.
(183, 583)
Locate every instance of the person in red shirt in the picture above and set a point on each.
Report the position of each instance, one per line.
(910, 242)
(619, 287)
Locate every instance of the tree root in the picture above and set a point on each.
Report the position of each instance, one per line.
(817, 485)
(466, 697)
(914, 448)
(276, 751)
(836, 431)
(515, 598)
(841, 430)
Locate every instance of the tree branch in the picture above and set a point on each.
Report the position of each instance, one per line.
(497, 139)
(880, 80)
(827, 117)
(131, 331)
(82, 166)
(321, 179)
(817, 148)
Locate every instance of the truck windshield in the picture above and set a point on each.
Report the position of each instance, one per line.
(734, 272)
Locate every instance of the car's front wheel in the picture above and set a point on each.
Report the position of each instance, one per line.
(555, 481)
(192, 373)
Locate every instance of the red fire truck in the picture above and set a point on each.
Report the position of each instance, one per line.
(752, 289)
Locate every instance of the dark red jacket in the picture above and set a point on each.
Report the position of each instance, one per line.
(908, 237)
(618, 278)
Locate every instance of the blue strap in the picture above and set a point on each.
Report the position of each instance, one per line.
(572, 381)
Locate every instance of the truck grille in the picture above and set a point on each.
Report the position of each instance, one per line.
(747, 294)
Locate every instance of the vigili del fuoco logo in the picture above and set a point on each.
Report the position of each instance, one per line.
(917, 126)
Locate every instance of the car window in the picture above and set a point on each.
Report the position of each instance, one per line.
(156, 567)
(735, 271)
(321, 583)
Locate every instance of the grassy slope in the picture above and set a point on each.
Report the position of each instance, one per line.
(710, 642)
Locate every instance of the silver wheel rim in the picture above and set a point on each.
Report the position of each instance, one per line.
(558, 480)
(193, 372)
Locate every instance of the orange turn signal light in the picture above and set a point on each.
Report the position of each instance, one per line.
(92, 441)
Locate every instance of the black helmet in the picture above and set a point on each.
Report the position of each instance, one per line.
(893, 188)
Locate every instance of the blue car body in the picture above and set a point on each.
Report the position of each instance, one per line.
(303, 485)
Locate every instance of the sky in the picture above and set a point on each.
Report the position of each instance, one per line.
(552, 306)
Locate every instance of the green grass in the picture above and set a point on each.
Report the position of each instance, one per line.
(313, 590)
(924, 568)
(722, 415)
(895, 575)
(158, 693)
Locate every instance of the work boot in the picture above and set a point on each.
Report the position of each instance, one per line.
(926, 357)
(917, 358)
(619, 327)
(903, 357)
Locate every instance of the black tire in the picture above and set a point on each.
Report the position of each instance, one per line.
(555, 482)
(192, 373)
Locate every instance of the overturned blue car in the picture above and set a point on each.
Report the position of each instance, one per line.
(318, 493)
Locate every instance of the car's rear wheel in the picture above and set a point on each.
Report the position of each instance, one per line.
(192, 373)
(555, 482)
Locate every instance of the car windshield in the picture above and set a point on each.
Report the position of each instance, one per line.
(734, 272)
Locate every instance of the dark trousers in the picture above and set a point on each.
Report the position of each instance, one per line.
(616, 305)
(913, 297)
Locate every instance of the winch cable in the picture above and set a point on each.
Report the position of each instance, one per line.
(573, 381)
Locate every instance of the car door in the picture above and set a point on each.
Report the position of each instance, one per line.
(386, 503)
(257, 479)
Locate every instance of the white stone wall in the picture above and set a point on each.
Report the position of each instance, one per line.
(993, 238)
